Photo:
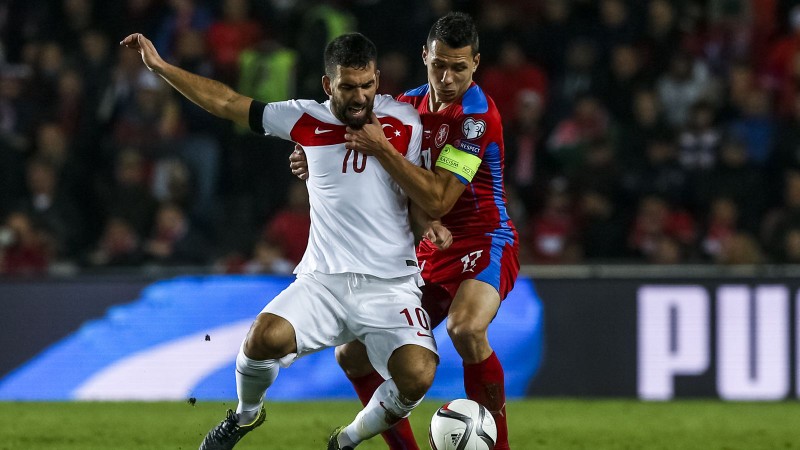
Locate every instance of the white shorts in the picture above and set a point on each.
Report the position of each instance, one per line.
(327, 310)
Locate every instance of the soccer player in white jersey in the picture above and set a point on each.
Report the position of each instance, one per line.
(359, 277)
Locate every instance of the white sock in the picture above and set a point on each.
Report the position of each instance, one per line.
(385, 408)
(253, 377)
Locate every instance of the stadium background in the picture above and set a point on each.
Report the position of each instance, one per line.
(656, 134)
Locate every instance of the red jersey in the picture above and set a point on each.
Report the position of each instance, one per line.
(472, 125)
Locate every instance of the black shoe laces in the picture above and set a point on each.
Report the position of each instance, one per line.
(226, 429)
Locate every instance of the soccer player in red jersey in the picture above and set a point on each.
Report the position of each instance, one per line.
(462, 183)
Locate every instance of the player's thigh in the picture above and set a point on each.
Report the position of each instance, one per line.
(389, 315)
(314, 312)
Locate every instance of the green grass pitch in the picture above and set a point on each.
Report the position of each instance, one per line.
(535, 424)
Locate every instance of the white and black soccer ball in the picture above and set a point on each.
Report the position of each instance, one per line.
(462, 425)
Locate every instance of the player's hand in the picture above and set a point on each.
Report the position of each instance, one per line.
(438, 234)
(369, 140)
(141, 44)
(298, 162)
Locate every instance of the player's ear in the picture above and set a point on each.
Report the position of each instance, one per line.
(476, 60)
(377, 79)
(326, 85)
(424, 54)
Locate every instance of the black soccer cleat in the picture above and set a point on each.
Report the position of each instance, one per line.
(333, 442)
(225, 435)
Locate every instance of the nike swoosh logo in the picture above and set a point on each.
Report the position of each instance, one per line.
(421, 334)
(318, 131)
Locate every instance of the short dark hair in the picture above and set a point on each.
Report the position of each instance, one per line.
(456, 30)
(349, 50)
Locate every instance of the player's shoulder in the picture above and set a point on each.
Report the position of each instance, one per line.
(475, 101)
(386, 105)
(414, 96)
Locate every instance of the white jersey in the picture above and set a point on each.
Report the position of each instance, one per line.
(359, 215)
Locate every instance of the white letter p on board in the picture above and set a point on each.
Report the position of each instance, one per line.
(673, 337)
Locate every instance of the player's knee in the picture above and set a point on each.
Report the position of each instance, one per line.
(270, 337)
(352, 358)
(414, 376)
(465, 332)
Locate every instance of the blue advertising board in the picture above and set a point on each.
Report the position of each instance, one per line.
(180, 339)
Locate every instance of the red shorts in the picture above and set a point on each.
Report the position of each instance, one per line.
(490, 259)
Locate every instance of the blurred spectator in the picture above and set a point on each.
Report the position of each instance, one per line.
(24, 248)
(686, 82)
(721, 225)
(662, 173)
(625, 77)
(119, 246)
(615, 28)
(174, 241)
(17, 111)
(49, 61)
(790, 253)
(699, 141)
(579, 78)
(786, 153)
(568, 141)
(742, 248)
(602, 227)
(666, 250)
(72, 19)
(782, 52)
(740, 81)
(550, 235)
(183, 16)
(128, 196)
(783, 218)
(661, 37)
(319, 24)
(52, 207)
(734, 177)
(526, 163)
(547, 41)
(756, 126)
(395, 73)
(495, 25)
(288, 230)
(268, 258)
(722, 33)
(661, 234)
(199, 147)
(648, 123)
(599, 170)
(512, 75)
(229, 35)
(151, 122)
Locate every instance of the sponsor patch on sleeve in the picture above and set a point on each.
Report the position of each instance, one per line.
(461, 163)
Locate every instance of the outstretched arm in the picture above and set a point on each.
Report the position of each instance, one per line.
(211, 95)
(435, 191)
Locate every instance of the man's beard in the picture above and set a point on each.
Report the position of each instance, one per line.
(341, 112)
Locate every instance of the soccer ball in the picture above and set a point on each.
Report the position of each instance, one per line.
(462, 425)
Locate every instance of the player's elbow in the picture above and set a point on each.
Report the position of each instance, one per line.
(437, 207)
(234, 107)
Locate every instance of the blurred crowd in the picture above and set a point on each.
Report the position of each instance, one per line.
(650, 131)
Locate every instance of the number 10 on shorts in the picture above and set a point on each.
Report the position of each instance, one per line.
(422, 319)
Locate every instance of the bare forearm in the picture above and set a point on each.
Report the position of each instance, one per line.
(424, 187)
(211, 95)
